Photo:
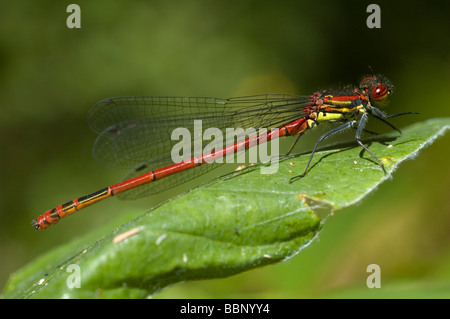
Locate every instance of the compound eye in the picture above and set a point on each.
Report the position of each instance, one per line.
(380, 93)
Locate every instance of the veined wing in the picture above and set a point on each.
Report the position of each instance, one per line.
(137, 130)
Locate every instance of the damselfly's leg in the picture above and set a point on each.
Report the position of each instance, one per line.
(323, 137)
(298, 137)
(360, 128)
(293, 144)
(382, 117)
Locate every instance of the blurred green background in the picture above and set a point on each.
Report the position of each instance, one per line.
(51, 75)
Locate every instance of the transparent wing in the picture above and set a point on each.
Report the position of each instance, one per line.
(137, 131)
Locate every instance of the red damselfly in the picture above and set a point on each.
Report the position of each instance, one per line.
(136, 132)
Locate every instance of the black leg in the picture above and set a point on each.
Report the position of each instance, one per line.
(323, 137)
(382, 117)
(293, 144)
(386, 122)
(362, 122)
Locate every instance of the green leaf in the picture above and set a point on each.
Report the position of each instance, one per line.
(237, 222)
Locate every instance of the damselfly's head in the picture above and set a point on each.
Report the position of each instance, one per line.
(377, 88)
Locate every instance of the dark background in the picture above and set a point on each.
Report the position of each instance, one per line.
(51, 75)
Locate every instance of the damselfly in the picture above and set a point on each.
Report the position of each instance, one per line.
(136, 132)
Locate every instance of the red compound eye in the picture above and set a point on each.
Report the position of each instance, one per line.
(380, 92)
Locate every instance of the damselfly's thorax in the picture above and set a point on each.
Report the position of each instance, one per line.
(337, 102)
